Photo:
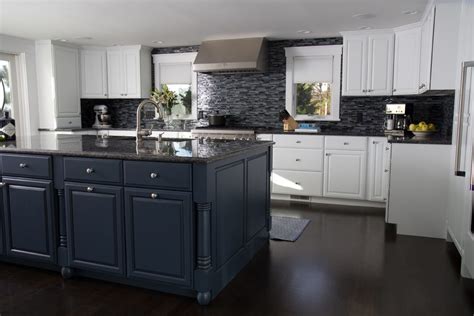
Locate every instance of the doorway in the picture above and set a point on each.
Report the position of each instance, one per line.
(8, 86)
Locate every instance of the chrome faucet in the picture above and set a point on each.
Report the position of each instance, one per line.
(146, 132)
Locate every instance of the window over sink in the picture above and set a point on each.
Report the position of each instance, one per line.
(313, 75)
(174, 71)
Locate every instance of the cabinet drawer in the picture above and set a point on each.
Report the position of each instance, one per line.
(298, 141)
(68, 122)
(27, 166)
(346, 143)
(298, 159)
(158, 174)
(297, 182)
(93, 170)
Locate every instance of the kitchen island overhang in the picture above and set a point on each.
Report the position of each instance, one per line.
(178, 216)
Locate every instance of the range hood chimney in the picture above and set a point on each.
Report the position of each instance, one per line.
(230, 56)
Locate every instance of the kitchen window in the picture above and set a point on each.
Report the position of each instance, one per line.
(175, 72)
(313, 76)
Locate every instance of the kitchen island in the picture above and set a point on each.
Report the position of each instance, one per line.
(180, 216)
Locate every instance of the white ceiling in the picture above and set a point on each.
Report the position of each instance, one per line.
(185, 22)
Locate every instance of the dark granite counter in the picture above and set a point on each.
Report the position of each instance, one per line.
(324, 133)
(115, 147)
(430, 140)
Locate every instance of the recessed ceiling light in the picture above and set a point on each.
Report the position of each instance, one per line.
(410, 12)
(364, 16)
(63, 40)
(157, 42)
(303, 32)
(365, 28)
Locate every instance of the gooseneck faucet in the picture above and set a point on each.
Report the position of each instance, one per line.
(146, 132)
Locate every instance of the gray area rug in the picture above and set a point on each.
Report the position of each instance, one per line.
(287, 228)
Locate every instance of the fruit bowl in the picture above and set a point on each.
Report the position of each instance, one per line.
(423, 133)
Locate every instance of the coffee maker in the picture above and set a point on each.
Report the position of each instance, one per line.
(397, 119)
(102, 118)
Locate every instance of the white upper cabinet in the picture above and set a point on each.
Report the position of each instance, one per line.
(380, 64)
(368, 63)
(129, 72)
(427, 27)
(119, 72)
(407, 60)
(94, 73)
(378, 169)
(57, 70)
(354, 71)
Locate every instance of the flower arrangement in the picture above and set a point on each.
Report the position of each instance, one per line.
(166, 97)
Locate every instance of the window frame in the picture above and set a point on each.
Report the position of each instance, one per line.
(334, 51)
(179, 58)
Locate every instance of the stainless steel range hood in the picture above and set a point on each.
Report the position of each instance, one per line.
(230, 56)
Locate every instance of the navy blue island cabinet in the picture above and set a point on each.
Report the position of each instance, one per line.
(184, 227)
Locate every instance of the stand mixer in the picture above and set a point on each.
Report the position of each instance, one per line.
(102, 118)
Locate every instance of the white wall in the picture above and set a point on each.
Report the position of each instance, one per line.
(15, 45)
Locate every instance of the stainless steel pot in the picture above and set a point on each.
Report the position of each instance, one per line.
(216, 119)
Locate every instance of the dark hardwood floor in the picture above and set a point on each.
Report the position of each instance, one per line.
(344, 264)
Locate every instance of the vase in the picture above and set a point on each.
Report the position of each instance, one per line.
(167, 118)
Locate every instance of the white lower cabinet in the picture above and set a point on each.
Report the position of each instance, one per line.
(332, 167)
(378, 171)
(297, 182)
(345, 173)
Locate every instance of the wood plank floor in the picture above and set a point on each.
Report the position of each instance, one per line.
(345, 263)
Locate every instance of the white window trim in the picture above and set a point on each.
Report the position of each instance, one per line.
(177, 58)
(327, 50)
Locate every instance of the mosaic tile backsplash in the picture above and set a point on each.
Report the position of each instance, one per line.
(256, 99)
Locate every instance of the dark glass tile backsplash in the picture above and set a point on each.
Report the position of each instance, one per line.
(256, 99)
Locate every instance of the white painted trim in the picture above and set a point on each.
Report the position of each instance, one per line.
(23, 107)
(179, 58)
(332, 201)
(366, 32)
(290, 100)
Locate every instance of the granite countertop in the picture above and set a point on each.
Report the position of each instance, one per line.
(430, 140)
(118, 147)
(324, 132)
(85, 129)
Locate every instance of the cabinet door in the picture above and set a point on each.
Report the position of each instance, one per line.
(131, 66)
(29, 219)
(407, 61)
(380, 64)
(2, 223)
(94, 73)
(426, 51)
(344, 174)
(158, 234)
(66, 70)
(378, 169)
(354, 77)
(94, 216)
(115, 74)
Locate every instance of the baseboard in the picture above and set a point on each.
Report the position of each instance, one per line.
(325, 200)
(450, 237)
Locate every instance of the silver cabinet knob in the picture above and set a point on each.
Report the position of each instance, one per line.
(297, 183)
(387, 148)
(364, 90)
(153, 195)
(394, 90)
(422, 86)
(105, 94)
(328, 154)
(346, 143)
(23, 165)
(298, 159)
(89, 170)
(298, 141)
(2, 184)
(90, 189)
(374, 142)
(386, 170)
(153, 175)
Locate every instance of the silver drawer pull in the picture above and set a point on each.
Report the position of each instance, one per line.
(153, 175)
(90, 189)
(23, 165)
(298, 141)
(298, 159)
(89, 170)
(328, 154)
(346, 143)
(153, 195)
(386, 170)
